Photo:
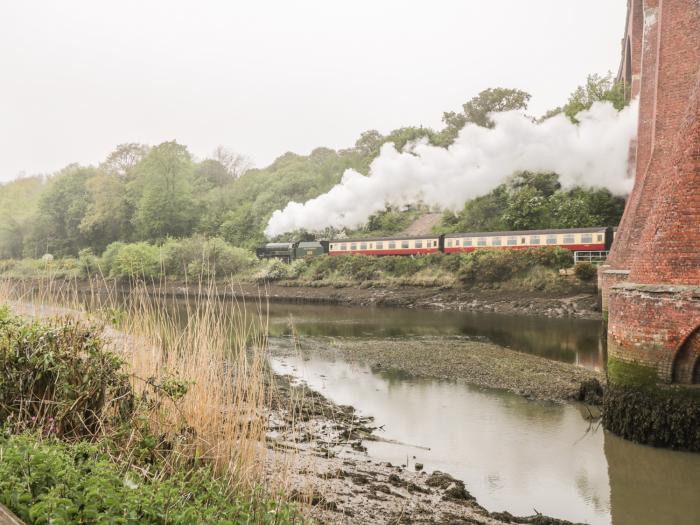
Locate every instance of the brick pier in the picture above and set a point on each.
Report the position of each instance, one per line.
(651, 285)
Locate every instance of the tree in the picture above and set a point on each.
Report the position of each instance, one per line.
(369, 143)
(597, 88)
(493, 100)
(123, 159)
(235, 164)
(18, 204)
(61, 210)
(162, 193)
(108, 215)
(213, 173)
(476, 111)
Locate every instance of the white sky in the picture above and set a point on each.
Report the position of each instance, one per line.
(265, 77)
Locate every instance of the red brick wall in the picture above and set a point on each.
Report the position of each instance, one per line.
(650, 324)
(659, 236)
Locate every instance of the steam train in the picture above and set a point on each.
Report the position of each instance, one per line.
(574, 239)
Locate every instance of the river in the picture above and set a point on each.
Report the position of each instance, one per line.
(513, 454)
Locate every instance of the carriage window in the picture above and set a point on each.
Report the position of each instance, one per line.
(380, 245)
(353, 246)
(496, 241)
(419, 244)
(551, 239)
(457, 242)
(481, 241)
(523, 240)
(363, 246)
(404, 244)
(467, 242)
(512, 241)
(392, 245)
(600, 238)
(449, 243)
(535, 239)
(569, 239)
(434, 244)
(586, 238)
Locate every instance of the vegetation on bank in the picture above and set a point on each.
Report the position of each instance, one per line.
(150, 194)
(197, 259)
(90, 432)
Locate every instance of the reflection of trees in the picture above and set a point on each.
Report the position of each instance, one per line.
(568, 340)
(650, 485)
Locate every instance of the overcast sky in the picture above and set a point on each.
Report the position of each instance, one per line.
(265, 77)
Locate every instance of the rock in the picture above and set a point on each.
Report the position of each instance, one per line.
(419, 466)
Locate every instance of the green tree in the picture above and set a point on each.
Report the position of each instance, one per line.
(18, 205)
(61, 210)
(597, 88)
(162, 193)
(476, 111)
(124, 159)
(108, 214)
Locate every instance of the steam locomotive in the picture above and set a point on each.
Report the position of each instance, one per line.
(574, 239)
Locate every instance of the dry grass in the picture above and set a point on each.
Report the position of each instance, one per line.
(198, 364)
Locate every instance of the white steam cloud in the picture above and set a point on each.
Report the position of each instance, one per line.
(593, 153)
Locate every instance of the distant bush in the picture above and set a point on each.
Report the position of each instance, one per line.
(492, 266)
(140, 260)
(585, 271)
(272, 270)
(108, 261)
(89, 263)
(200, 257)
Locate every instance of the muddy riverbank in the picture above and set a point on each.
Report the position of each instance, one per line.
(584, 306)
(523, 303)
(454, 359)
(327, 463)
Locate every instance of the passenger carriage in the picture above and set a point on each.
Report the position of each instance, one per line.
(407, 245)
(574, 239)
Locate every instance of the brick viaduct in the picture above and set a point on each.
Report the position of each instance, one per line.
(651, 284)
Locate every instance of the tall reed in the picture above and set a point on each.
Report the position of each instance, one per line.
(197, 361)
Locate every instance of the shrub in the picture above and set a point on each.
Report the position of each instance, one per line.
(272, 270)
(108, 261)
(47, 481)
(89, 264)
(585, 271)
(197, 256)
(492, 266)
(140, 260)
(58, 377)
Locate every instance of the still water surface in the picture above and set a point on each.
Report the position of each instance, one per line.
(513, 454)
(576, 341)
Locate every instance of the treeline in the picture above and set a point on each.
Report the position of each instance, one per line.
(530, 201)
(150, 194)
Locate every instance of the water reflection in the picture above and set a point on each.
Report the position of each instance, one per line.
(513, 454)
(649, 485)
(569, 340)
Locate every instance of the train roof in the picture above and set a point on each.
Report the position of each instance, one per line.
(279, 245)
(396, 238)
(310, 244)
(526, 232)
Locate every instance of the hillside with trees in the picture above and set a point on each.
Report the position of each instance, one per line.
(155, 193)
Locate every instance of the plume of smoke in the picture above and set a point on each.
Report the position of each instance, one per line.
(593, 153)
